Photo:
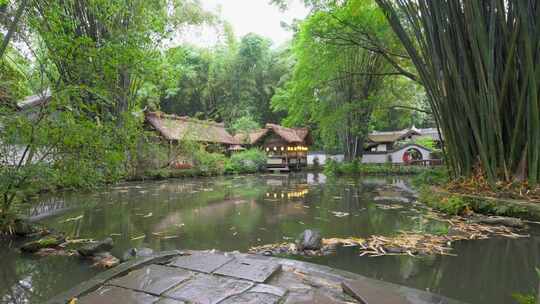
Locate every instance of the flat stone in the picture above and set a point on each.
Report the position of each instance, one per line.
(251, 269)
(252, 298)
(265, 288)
(202, 262)
(312, 297)
(105, 276)
(368, 293)
(117, 295)
(208, 289)
(169, 301)
(154, 279)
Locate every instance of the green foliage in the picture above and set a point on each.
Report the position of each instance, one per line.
(56, 148)
(96, 68)
(427, 142)
(400, 102)
(449, 204)
(250, 161)
(335, 84)
(244, 124)
(208, 163)
(226, 83)
(332, 167)
(13, 79)
(524, 299)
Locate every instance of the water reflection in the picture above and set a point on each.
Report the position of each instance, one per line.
(235, 213)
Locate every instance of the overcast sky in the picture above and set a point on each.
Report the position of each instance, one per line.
(256, 16)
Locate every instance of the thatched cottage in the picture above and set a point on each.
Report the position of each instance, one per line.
(287, 148)
(173, 129)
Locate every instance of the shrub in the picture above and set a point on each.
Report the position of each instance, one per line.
(356, 168)
(209, 163)
(331, 167)
(449, 204)
(250, 161)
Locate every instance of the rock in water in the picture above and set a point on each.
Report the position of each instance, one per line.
(46, 242)
(309, 240)
(96, 247)
(136, 253)
(24, 228)
(105, 260)
(501, 220)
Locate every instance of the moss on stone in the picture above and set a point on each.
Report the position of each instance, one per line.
(45, 242)
(454, 204)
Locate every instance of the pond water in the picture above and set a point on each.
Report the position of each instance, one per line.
(235, 213)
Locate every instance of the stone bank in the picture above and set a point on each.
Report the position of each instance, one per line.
(177, 277)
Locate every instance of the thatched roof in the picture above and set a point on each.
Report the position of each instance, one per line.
(290, 135)
(391, 136)
(177, 128)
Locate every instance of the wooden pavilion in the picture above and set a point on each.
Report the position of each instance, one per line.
(287, 148)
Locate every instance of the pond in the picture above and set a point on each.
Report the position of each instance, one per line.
(236, 213)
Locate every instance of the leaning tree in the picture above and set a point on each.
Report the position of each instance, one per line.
(479, 62)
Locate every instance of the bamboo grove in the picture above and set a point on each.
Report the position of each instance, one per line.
(479, 63)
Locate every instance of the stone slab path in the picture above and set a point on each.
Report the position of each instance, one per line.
(204, 277)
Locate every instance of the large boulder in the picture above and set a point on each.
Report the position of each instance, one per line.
(24, 228)
(133, 253)
(309, 240)
(95, 248)
(45, 242)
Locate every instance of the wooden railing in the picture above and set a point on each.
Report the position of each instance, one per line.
(425, 162)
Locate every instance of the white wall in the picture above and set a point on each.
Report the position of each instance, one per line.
(378, 158)
(397, 156)
(381, 148)
(322, 157)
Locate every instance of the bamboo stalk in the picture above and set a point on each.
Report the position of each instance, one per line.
(480, 64)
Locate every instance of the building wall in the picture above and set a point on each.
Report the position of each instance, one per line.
(395, 157)
(375, 158)
(381, 147)
(322, 158)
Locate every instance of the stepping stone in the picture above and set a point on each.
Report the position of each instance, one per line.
(208, 289)
(256, 270)
(260, 294)
(252, 298)
(169, 301)
(202, 262)
(312, 297)
(264, 288)
(117, 295)
(369, 293)
(154, 279)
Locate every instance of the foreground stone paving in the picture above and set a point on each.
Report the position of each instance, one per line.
(226, 278)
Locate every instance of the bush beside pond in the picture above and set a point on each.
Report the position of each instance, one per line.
(356, 168)
(249, 161)
(212, 164)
